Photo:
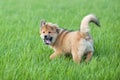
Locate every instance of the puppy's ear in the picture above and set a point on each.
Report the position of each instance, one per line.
(58, 30)
(42, 22)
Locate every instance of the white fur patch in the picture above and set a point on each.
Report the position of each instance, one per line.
(85, 46)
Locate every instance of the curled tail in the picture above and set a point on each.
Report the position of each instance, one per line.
(84, 27)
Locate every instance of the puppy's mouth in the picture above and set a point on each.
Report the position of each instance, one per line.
(48, 41)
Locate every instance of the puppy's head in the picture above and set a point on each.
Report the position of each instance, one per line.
(48, 32)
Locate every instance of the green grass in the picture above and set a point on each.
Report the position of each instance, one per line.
(23, 55)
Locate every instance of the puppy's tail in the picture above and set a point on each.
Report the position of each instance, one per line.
(84, 27)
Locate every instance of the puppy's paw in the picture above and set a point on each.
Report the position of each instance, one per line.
(52, 56)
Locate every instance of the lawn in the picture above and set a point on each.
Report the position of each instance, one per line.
(23, 55)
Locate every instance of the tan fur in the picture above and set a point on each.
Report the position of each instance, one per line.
(77, 43)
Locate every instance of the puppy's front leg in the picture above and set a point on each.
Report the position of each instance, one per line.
(55, 54)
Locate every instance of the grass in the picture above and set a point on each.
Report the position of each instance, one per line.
(23, 55)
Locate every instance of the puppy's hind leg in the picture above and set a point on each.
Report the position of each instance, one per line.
(75, 54)
(82, 47)
(76, 57)
(89, 56)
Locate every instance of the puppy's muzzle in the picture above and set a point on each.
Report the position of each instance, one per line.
(47, 40)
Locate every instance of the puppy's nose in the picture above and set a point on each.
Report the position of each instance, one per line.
(45, 36)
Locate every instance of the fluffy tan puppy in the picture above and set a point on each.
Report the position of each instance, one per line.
(77, 43)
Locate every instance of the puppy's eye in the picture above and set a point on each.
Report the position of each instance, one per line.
(49, 32)
(43, 31)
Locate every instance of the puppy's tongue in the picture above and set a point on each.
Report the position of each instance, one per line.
(48, 41)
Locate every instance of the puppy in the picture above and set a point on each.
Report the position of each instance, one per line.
(76, 43)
